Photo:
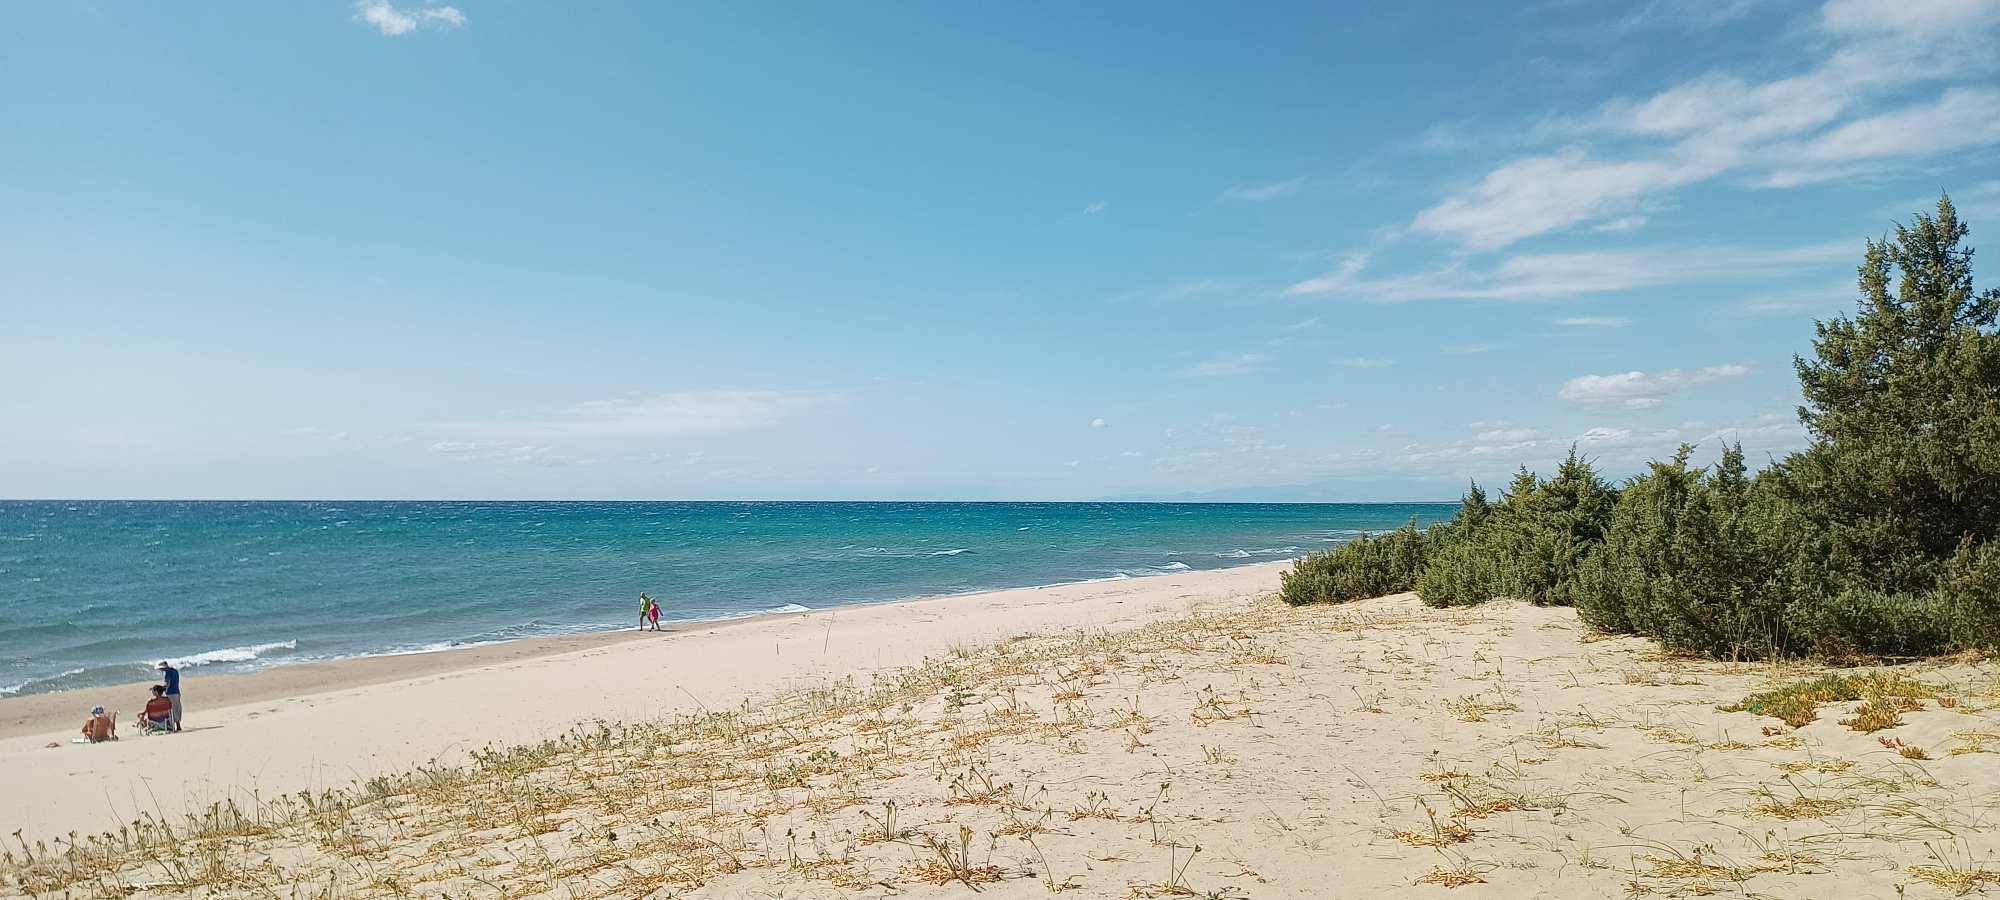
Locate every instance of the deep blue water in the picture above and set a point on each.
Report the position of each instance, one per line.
(91, 592)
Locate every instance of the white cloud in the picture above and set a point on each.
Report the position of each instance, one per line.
(1603, 435)
(502, 452)
(1095, 208)
(1960, 118)
(1594, 322)
(1629, 223)
(1097, 423)
(392, 21)
(1824, 299)
(1817, 124)
(1639, 390)
(1686, 14)
(1538, 194)
(1467, 349)
(1551, 276)
(314, 432)
(1242, 364)
(1915, 18)
(1258, 193)
(660, 415)
(1363, 362)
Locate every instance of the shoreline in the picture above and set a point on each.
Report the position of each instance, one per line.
(321, 725)
(43, 711)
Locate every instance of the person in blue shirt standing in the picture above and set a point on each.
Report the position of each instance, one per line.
(172, 677)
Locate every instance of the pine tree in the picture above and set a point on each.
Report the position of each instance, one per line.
(1903, 401)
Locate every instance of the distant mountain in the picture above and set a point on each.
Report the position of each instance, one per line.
(1412, 490)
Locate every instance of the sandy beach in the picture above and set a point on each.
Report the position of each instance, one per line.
(1179, 736)
(321, 725)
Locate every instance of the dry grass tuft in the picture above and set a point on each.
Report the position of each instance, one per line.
(1822, 766)
(1906, 751)
(1975, 742)
(1471, 708)
(1798, 807)
(1456, 876)
(1954, 880)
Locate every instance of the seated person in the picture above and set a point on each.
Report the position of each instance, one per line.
(100, 727)
(159, 711)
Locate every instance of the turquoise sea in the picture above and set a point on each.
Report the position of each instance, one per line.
(92, 592)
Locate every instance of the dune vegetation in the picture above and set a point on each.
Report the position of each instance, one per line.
(1875, 540)
(1236, 746)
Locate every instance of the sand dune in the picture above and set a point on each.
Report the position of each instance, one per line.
(1238, 749)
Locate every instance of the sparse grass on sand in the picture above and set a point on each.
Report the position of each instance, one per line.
(1798, 703)
(1220, 753)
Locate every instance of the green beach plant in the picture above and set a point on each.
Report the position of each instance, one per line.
(1368, 566)
(1876, 540)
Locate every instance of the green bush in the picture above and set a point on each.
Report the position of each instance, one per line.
(1881, 538)
(1368, 566)
(1969, 597)
(1903, 403)
(1860, 622)
(1458, 574)
(1687, 562)
(1540, 533)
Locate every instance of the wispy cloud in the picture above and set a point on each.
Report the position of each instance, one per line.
(1960, 118)
(315, 433)
(1197, 289)
(1467, 349)
(392, 21)
(1847, 109)
(1242, 364)
(1639, 390)
(1686, 15)
(1095, 208)
(1258, 193)
(1628, 223)
(660, 415)
(1594, 322)
(1823, 299)
(1552, 276)
(504, 452)
(1363, 362)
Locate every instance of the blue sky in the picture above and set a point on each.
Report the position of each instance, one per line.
(898, 250)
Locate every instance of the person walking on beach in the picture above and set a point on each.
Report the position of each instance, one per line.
(647, 611)
(172, 678)
(655, 614)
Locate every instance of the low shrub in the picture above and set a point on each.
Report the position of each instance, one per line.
(1860, 622)
(1368, 566)
(1686, 561)
(1458, 574)
(1798, 703)
(1880, 538)
(1541, 532)
(1968, 597)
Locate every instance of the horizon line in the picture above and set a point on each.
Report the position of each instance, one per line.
(633, 500)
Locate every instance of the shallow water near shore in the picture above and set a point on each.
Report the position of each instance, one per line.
(92, 592)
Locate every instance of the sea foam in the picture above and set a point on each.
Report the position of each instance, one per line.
(234, 654)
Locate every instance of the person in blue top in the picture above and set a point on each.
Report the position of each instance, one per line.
(172, 677)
